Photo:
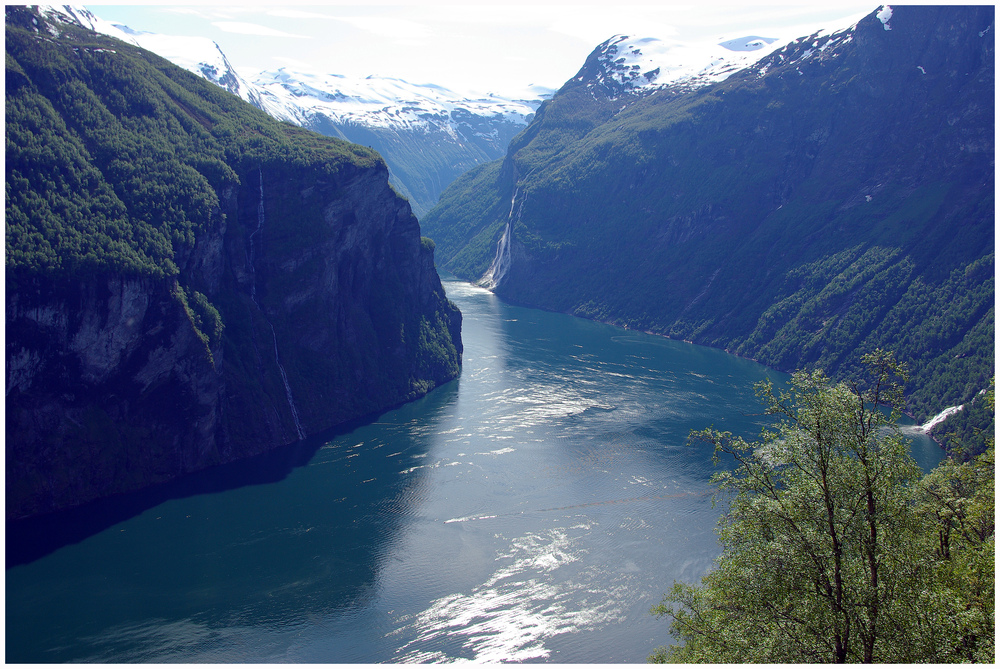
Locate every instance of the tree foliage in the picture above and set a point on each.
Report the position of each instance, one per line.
(115, 157)
(835, 549)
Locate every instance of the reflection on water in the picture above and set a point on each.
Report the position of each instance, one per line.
(516, 610)
(532, 510)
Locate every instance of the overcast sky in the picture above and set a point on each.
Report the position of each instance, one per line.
(486, 48)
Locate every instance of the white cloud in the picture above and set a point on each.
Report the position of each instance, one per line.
(243, 28)
(207, 13)
(296, 65)
(298, 14)
(388, 26)
(491, 15)
(594, 29)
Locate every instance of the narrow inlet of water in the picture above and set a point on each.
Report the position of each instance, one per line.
(532, 510)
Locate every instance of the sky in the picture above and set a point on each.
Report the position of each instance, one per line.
(500, 49)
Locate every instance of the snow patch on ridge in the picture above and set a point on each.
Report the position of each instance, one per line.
(648, 63)
(884, 14)
(642, 65)
(199, 55)
(823, 43)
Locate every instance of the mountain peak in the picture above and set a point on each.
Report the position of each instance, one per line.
(629, 65)
(625, 65)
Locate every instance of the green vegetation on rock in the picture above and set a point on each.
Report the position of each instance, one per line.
(115, 156)
(838, 202)
(188, 280)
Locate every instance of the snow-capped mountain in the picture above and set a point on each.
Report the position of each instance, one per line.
(640, 65)
(195, 54)
(428, 135)
(380, 102)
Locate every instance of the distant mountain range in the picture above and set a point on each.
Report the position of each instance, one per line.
(817, 199)
(428, 135)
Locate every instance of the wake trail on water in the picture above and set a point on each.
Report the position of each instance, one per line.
(645, 498)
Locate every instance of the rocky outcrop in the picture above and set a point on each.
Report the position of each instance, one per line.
(109, 388)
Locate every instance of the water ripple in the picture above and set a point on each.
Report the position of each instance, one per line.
(510, 616)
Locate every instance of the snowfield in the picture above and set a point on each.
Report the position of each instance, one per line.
(382, 102)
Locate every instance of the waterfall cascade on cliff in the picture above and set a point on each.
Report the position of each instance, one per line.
(501, 262)
(253, 296)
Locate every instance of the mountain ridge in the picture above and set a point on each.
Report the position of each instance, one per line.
(842, 176)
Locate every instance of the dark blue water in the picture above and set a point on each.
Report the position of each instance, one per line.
(533, 510)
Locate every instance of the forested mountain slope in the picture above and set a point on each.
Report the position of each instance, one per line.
(835, 197)
(189, 281)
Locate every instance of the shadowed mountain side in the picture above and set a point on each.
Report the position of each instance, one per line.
(188, 281)
(30, 539)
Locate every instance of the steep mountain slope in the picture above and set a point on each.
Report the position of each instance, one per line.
(834, 197)
(188, 281)
(428, 135)
(195, 54)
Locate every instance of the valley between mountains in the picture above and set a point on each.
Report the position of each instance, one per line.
(318, 368)
(797, 203)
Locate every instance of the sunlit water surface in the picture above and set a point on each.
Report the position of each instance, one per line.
(533, 510)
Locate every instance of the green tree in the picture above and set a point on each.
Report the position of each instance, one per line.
(957, 500)
(825, 552)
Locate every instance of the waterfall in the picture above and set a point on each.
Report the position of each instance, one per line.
(288, 388)
(255, 233)
(940, 418)
(253, 296)
(501, 262)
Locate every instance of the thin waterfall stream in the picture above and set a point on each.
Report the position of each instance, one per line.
(253, 296)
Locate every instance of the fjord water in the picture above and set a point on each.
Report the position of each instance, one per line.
(532, 510)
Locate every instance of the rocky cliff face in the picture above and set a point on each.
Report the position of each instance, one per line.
(99, 374)
(252, 285)
(332, 290)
